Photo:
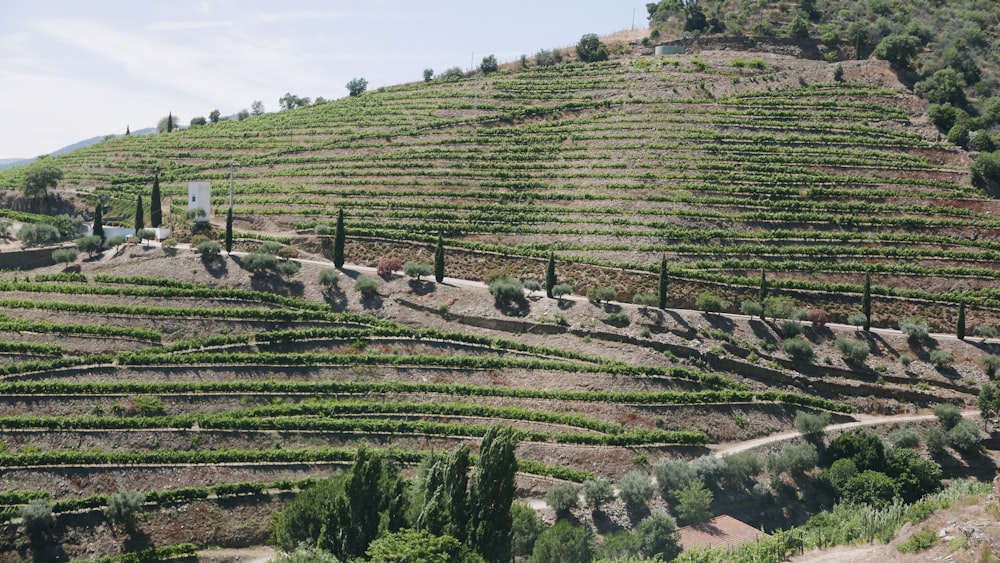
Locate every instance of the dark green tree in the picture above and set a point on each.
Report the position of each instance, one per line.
(439, 262)
(155, 208)
(99, 220)
(988, 402)
(662, 289)
(229, 230)
(456, 487)
(489, 65)
(960, 329)
(357, 86)
(866, 302)
(561, 543)
(550, 275)
(590, 49)
(170, 122)
(39, 178)
(338, 241)
(140, 222)
(408, 546)
(899, 49)
(492, 494)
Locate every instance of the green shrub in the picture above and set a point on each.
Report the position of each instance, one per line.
(991, 362)
(37, 521)
(964, 436)
(645, 300)
(865, 449)
(791, 328)
(32, 234)
(915, 329)
(794, 458)
(563, 542)
(941, 358)
(169, 244)
(869, 487)
(149, 405)
(857, 320)
(288, 268)
(811, 425)
(905, 436)
(906, 360)
(798, 349)
(779, 307)
(694, 503)
(855, 351)
(207, 249)
(635, 489)
(269, 247)
(417, 270)
(115, 241)
(531, 286)
(124, 508)
(64, 255)
(919, 541)
(618, 318)
(597, 492)
(322, 229)
(599, 294)
(329, 277)
(504, 290)
(984, 331)
(710, 303)
(671, 475)
(751, 309)
(741, 468)
(259, 262)
(367, 286)
(526, 526)
(656, 537)
(562, 498)
(91, 244)
(561, 289)
(936, 440)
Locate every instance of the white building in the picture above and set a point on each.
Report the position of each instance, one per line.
(200, 197)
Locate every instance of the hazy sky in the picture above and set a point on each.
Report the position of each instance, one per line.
(74, 69)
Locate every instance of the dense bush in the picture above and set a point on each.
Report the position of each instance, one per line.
(367, 286)
(984, 331)
(694, 503)
(37, 521)
(564, 542)
(32, 234)
(915, 329)
(90, 244)
(857, 320)
(811, 425)
(948, 415)
(599, 294)
(964, 436)
(329, 277)
(741, 468)
(64, 255)
(387, 266)
(288, 268)
(866, 450)
(417, 270)
(124, 508)
(208, 249)
(671, 475)
(905, 436)
(597, 492)
(561, 289)
(645, 299)
(751, 309)
(635, 489)
(590, 49)
(869, 487)
(941, 358)
(525, 527)
(936, 440)
(855, 351)
(562, 498)
(504, 290)
(259, 262)
(791, 328)
(656, 537)
(710, 303)
(531, 286)
(779, 307)
(818, 317)
(798, 349)
(793, 458)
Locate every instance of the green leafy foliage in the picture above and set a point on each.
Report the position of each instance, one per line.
(563, 542)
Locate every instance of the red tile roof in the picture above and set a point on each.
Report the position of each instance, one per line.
(721, 531)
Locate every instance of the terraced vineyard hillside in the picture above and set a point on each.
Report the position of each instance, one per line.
(725, 164)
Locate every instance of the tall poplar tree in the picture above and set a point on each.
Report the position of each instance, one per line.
(140, 222)
(99, 220)
(550, 275)
(960, 329)
(229, 230)
(492, 494)
(662, 289)
(866, 302)
(155, 208)
(456, 485)
(439, 260)
(763, 287)
(338, 241)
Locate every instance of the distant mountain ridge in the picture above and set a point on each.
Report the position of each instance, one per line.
(11, 162)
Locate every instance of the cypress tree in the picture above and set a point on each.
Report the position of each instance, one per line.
(663, 283)
(960, 330)
(439, 262)
(456, 483)
(866, 302)
(550, 275)
(170, 122)
(155, 209)
(763, 287)
(492, 494)
(338, 241)
(99, 220)
(140, 223)
(229, 231)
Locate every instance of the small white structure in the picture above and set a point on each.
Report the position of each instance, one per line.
(200, 197)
